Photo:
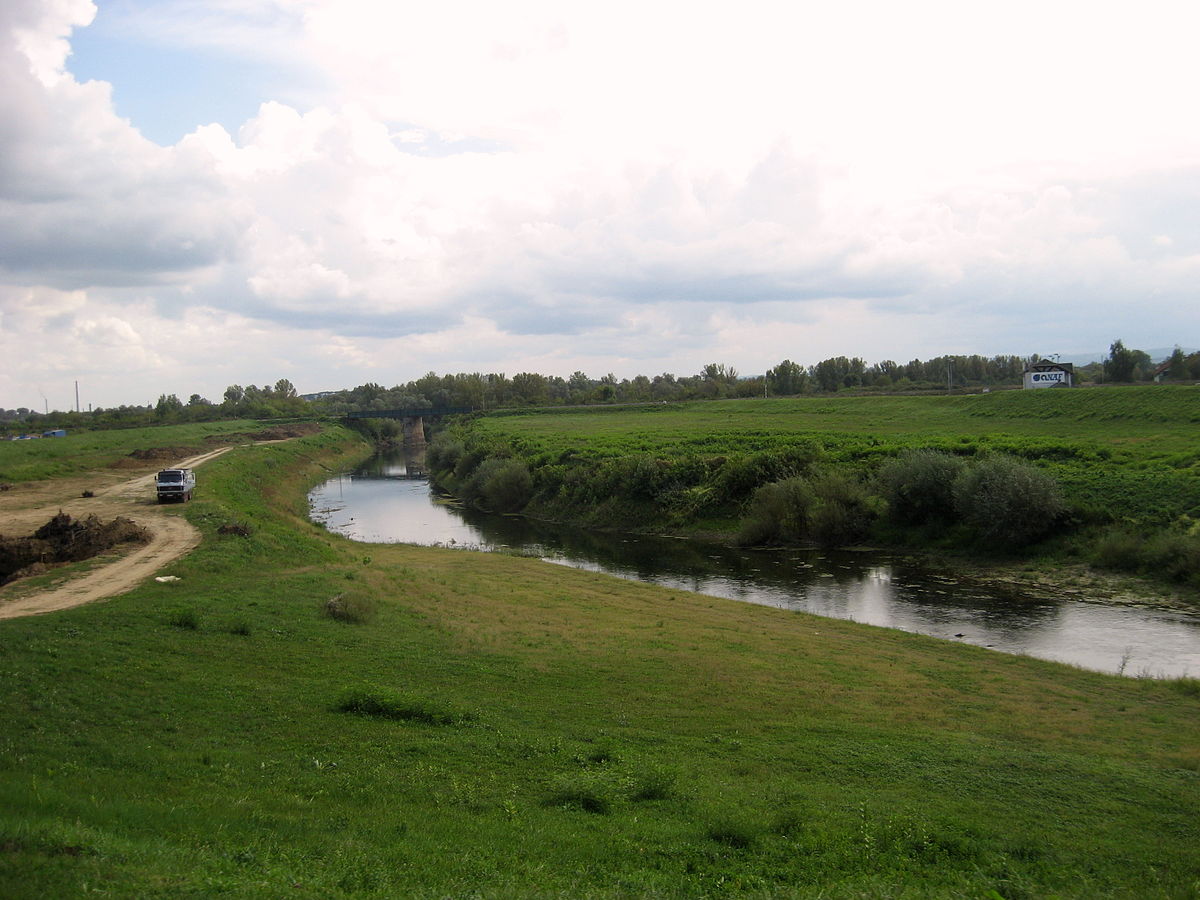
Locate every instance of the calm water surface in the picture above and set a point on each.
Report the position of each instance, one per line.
(389, 500)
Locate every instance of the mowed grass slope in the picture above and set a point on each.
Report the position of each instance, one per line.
(459, 724)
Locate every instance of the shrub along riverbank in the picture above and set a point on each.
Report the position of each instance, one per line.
(1107, 476)
(303, 716)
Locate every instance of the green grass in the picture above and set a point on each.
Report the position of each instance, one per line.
(84, 451)
(1124, 458)
(573, 735)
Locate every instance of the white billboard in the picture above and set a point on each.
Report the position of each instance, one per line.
(1054, 378)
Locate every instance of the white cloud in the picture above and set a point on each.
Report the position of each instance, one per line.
(640, 186)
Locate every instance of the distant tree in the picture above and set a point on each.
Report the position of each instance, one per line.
(168, 406)
(234, 394)
(788, 378)
(1193, 364)
(1177, 366)
(530, 389)
(284, 389)
(1121, 364)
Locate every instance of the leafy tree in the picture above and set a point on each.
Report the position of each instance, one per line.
(530, 389)
(168, 406)
(788, 378)
(1193, 364)
(1177, 367)
(1121, 363)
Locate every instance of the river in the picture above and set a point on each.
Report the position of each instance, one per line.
(387, 500)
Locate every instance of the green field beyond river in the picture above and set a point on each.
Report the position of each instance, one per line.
(1124, 465)
(301, 715)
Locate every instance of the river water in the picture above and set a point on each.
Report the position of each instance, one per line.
(388, 500)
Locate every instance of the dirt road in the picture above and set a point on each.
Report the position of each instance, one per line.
(28, 506)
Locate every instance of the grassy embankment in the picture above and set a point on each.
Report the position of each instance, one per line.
(89, 451)
(465, 724)
(1126, 460)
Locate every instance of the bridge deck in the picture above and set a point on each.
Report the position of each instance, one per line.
(411, 413)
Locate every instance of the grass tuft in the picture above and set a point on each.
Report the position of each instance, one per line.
(383, 704)
(1189, 687)
(349, 608)
(587, 791)
(654, 783)
(733, 830)
(186, 619)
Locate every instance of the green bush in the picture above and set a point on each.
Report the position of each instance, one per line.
(841, 512)
(443, 453)
(502, 485)
(1007, 502)
(919, 485)
(778, 512)
(738, 477)
(1174, 555)
(1119, 549)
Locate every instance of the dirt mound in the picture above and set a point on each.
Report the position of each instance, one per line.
(273, 433)
(64, 539)
(155, 453)
(283, 432)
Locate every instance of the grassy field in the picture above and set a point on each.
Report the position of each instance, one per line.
(1130, 447)
(303, 716)
(85, 451)
(1125, 460)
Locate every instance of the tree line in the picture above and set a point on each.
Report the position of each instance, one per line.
(715, 381)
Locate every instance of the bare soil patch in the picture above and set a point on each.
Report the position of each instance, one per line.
(29, 505)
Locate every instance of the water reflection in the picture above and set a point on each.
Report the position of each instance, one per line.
(389, 500)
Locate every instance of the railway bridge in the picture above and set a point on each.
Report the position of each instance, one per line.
(413, 419)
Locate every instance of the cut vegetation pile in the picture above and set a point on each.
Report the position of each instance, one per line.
(64, 539)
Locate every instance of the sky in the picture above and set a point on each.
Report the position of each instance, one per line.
(198, 194)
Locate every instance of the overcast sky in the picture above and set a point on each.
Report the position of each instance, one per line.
(195, 194)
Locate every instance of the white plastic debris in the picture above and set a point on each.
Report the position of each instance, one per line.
(166, 579)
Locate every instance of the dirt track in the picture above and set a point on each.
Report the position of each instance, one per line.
(28, 506)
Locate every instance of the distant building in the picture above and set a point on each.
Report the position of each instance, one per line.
(1045, 373)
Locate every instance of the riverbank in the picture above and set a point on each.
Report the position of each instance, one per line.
(1033, 482)
(302, 715)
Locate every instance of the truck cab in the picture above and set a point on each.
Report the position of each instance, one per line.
(175, 484)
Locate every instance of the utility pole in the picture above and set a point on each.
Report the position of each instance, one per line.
(77, 395)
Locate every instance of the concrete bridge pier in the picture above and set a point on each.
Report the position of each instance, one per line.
(414, 432)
